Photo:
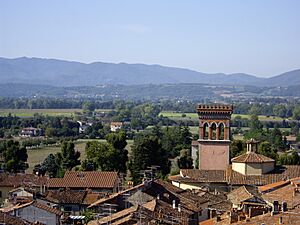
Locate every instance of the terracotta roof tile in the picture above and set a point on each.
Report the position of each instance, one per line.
(280, 173)
(284, 194)
(90, 179)
(115, 195)
(234, 178)
(21, 179)
(252, 157)
(289, 217)
(205, 175)
(66, 196)
(90, 198)
(46, 208)
(10, 220)
(272, 186)
(35, 204)
(244, 193)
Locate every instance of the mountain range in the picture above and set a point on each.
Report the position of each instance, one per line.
(63, 73)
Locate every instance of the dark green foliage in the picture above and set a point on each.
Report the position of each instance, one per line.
(265, 148)
(237, 147)
(185, 160)
(110, 156)
(280, 110)
(88, 165)
(68, 157)
(296, 113)
(88, 108)
(175, 139)
(256, 129)
(51, 165)
(15, 156)
(147, 150)
(289, 159)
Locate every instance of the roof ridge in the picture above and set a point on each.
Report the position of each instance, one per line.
(248, 191)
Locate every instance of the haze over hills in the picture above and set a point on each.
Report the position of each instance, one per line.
(66, 73)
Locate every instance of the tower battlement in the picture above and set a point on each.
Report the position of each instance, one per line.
(214, 136)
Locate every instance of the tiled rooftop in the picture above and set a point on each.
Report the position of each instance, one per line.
(234, 178)
(252, 157)
(21, 179)
(244, 193)
(38, 205)
(286, 194)
(10, 220)
(65, 196)
(90, 179)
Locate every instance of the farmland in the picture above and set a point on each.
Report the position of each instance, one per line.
(45, 112)
(194, 116)
(36, 156)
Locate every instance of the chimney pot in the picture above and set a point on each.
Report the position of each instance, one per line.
(174, 204)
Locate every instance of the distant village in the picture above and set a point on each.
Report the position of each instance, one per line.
(218, 187)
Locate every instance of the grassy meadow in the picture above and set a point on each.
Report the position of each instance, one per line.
(194, 116)
(46, 112)
(36, 156)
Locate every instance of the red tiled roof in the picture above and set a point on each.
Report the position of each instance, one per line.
(252, 157)
(205, 175)
(115, 195)
(20, 179)
(273, 185)
(90, 179)
(234, 178)
(244, 193)
(46, 208)
(284, 194)
(66, 196)
(289, 217)
(38, 205)
(10, 220)
(280, 173)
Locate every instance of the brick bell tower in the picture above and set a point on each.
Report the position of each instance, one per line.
(214, 136)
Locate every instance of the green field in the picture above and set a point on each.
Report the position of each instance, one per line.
(193, 116)
(31, 112)
(36, 156)
(48, 112)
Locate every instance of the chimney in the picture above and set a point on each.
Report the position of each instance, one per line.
(179, 207)
(174, 204)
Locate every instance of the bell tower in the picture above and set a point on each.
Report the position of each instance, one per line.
(214, 136)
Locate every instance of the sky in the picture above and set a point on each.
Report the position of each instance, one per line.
(250, 36)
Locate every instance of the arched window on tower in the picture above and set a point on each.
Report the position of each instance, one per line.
(213, 131)
(221, 131)
(205, 131)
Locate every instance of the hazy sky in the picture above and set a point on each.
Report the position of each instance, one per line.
(260, 37)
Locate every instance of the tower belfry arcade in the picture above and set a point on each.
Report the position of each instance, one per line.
(214, 136)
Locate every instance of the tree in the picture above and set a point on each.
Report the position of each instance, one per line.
(88, 108)
(110, 156)
(185, 161)
(15, 156)
(256, 129)
(296, 113)
(51, 165)
(280, 110)
(265, 148)
(146, 151)
(68, 156)
(119, 155)
(289, 159)
(237, 147)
